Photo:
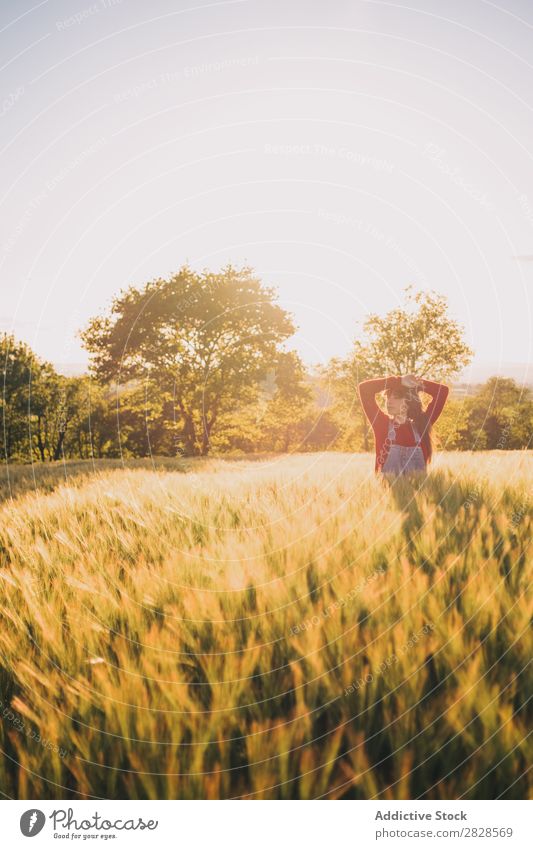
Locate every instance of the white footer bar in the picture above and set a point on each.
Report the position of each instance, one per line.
(268, 825)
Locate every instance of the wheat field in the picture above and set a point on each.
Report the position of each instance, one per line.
(274, 629)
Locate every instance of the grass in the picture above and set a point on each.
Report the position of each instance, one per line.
(281, 629)
(16, 480)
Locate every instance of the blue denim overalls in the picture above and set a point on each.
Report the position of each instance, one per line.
(403, 459)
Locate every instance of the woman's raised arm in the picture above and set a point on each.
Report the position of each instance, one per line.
(439, 393)
(368, 390)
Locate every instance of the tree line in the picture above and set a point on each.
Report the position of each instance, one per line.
(201, 362)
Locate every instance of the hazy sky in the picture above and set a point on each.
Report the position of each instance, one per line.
(343, 149)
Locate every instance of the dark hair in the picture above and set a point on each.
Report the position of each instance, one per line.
(416, 412)
(399, 391)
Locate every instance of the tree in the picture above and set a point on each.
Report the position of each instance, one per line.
(321, 431)
(44, 408)
(287, 412)
(503, 411)
(46, 416)
(418, 338)
(22, 376)
(498, 416)
(205, 338)
(144, 421)
(340, 378)
(59, 415)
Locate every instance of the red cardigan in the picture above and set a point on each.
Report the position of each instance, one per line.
(380, 421)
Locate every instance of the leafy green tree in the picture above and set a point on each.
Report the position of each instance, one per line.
(144, 424)
(97, 430)
(321, 432)
(340, 378)
(498, 416)
(59, 415)
(418, 337)
(44, 394)
(274, 414)
(288, 411)
(503, 410)
(70, 402)
(23, 376)
(205, 338)
(455, 426)
(46, 416)
(85, 422)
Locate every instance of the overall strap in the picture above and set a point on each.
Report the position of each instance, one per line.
(417, 436)
(392, 433)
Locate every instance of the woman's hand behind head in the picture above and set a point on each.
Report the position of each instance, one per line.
(411, 381)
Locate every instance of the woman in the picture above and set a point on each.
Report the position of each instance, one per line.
(403, 438)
